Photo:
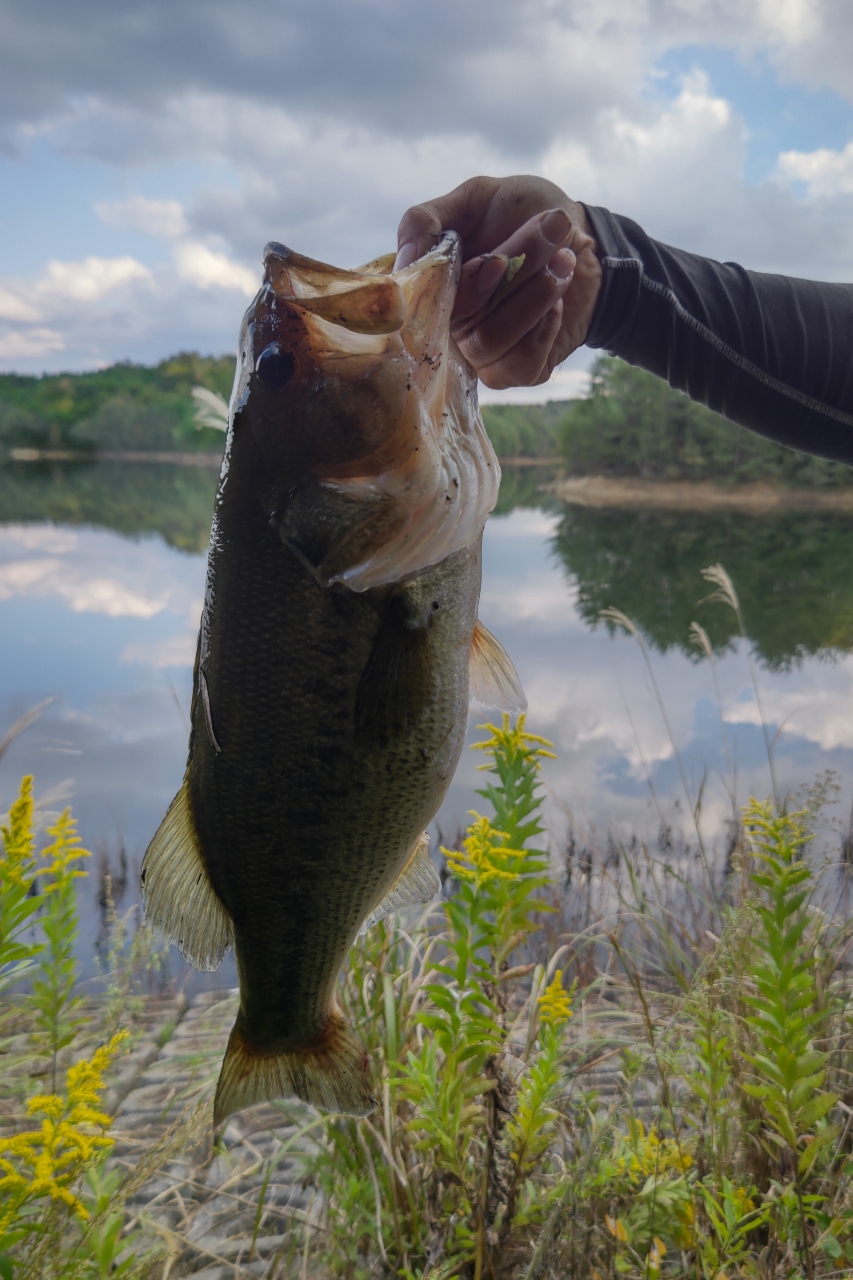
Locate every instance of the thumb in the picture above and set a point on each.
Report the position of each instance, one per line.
(460, 210)
(419, 230)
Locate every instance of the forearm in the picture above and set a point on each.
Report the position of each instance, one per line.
(772, 353)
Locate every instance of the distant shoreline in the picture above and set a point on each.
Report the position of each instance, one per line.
(204, 458)
(759, 498)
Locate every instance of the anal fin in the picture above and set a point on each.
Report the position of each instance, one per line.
(331, 1073)
(493, 678)
(179, 900)
(418, 882)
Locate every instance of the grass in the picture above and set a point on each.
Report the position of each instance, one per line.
(632, 1064)
(720, 1148)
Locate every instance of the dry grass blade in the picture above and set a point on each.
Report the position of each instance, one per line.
(24, 722)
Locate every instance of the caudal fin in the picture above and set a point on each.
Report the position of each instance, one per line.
(332, 1073)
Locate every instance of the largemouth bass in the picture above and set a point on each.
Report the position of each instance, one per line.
(338, 642)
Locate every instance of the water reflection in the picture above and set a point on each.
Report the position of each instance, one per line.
(175, 502)
(105, 624)
(791, 572)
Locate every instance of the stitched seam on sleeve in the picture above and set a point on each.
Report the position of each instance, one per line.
(729, 353)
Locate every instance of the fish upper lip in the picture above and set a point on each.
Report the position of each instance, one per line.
(275, 249)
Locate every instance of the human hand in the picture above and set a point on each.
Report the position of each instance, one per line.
(514, 329)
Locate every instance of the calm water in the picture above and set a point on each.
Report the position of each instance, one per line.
(101, 577)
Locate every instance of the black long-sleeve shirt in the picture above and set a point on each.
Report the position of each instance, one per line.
(770, 352)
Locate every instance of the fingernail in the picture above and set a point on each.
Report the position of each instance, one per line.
(406, 255)
(489, 275)
(562, 265)
(555, 226)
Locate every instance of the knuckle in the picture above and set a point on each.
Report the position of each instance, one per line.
(475, 348)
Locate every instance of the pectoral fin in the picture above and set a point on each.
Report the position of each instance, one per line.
(418, 882)
(179, 900)
(493, 678)
(400, 681)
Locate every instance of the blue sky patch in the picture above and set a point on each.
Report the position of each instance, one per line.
(779, 116)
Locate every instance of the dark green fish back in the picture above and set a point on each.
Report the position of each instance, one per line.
(338, 719)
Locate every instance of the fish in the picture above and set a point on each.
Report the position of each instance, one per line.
(338, 650)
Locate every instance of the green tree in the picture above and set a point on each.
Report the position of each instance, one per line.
(633, 424)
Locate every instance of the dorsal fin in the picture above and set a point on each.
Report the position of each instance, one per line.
(179, 900)
(493, 678)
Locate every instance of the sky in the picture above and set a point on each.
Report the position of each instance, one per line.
(148, 150)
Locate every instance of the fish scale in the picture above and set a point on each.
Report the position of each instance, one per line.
(337, 640)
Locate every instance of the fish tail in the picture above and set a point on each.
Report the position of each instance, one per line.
(331, 1073)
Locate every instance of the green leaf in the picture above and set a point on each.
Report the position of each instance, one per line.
(815, 1110)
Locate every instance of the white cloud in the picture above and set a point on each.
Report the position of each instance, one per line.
(57, 539)
(14, 308)
(796, 21)
(523, 522)
(208, 269)
(321, 133)
(174, 651)
(164, 218)
(82, 593)
(92, 278)
(819, 710)
(824, 173)
(84, 571)
(662, 156)
(29, 344)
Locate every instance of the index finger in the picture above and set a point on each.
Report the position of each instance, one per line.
(460, 210)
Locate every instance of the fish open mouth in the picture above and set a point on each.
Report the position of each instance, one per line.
(426, 476)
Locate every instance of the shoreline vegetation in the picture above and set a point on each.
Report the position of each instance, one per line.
(631, 441)
(629, 1064)
(758, 498)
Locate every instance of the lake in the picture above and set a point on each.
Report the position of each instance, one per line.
(101, 580)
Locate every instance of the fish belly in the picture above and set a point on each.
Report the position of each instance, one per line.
(306, 800)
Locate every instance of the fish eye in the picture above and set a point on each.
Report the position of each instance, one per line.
(275, 367)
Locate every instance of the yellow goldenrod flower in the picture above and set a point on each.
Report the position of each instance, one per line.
(686, 1236)
(742, 1200)
(49, 1160)
(555, 1003)
(512, 740)
(17, 862)
(650, 1154)
(485, 857)
(65, 849)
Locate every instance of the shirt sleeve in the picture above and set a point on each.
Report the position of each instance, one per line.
(770, 352)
